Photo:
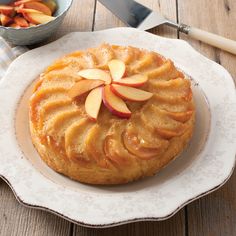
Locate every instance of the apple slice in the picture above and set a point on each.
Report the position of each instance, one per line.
(17, 8)
(51, 4)
(39, 7)
(37, 18)
(25, 10)
(117, 69)
(5, 20)
(7, 10)
(129, 93)
(115, 104)
(17, 3)
(31, 24)
(21, 21)
(14, 25)
(133, 81)
(96, 74)
(93, 103)
(84, 86)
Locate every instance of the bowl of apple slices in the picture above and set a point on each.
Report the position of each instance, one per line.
(26, 22)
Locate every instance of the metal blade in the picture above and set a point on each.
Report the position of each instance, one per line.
(134, 14)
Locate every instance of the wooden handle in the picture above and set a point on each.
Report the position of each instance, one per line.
(213, 39)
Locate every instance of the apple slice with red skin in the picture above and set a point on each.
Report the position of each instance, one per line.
(117, 69)
(51, 4)
(115, 104)
(11, 4)
(37, 18)
(14, 25)
(39, 7)
(133, 81)
(131, 94)
(93, 103)
(17, 3)
(84, 86)
(20, 21)
(5, 20)
(96, 74)
(7, 10)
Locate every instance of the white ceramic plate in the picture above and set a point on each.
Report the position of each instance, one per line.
(204, 166)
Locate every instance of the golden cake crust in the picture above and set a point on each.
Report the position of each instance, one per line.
(111, 150)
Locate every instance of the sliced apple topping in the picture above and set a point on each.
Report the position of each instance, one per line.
(84, 86)
(93, 103)
(110, 88)
(96, 74)
(133, 81)
(115, 104)
(117, 69)
(39, 7)
(131, 94)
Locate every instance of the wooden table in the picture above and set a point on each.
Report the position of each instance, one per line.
(213, 215)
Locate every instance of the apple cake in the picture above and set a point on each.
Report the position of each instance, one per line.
(111, 114)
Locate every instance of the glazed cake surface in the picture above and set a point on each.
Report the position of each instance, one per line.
(111, 149)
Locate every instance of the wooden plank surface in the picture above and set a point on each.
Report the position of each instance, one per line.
(215, 214)
(17, 220)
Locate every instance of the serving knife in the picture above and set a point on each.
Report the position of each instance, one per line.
(136, 15)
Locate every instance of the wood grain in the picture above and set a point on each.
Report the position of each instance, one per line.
(215, 214)
(16, 219)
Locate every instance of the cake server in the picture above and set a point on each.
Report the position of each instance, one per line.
(136, 15)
